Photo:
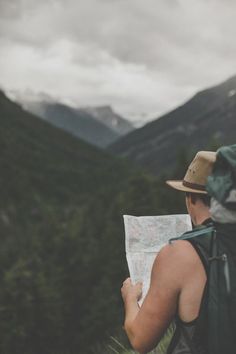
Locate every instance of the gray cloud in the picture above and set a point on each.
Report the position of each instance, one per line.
(138, 56)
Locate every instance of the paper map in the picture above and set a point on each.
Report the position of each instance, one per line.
(144, 237)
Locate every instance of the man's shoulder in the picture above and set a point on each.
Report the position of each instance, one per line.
(178, 259)
(177, 250)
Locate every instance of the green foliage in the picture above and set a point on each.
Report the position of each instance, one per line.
(62, 258)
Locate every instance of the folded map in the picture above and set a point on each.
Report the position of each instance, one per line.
(144, 237)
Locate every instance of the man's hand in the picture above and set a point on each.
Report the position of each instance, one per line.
(130, 291)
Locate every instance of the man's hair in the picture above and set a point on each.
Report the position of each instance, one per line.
(205, 198)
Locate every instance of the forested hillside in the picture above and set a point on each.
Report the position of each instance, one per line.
(62, 241)
(208, 119)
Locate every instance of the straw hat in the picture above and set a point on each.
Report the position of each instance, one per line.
(195, 178)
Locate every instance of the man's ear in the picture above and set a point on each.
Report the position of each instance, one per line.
(193, 198)
(188, 202)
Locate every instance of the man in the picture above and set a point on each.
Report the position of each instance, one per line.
(178, 279)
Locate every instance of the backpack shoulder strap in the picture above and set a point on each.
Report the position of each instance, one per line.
(198, 231)
(202, 245)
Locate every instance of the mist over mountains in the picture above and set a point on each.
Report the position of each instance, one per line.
(205, 121)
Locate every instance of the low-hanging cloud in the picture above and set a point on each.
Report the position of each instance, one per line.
(140, 57)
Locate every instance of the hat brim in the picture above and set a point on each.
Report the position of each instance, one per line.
(180, 187)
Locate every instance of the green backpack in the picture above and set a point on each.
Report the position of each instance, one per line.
(217, 246)
(216, 243)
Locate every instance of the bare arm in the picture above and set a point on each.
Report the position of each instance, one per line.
(146, 325)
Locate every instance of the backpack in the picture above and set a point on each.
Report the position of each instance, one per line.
(216, 243)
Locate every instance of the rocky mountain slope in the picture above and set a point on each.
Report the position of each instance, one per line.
(75, 121)
(114, 121)
(209, 118)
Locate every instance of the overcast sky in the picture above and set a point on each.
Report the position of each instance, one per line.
(143, 57)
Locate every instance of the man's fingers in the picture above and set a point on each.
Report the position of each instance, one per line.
(128, 280)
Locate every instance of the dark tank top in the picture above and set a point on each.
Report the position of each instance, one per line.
(191, 337)
(187, 339)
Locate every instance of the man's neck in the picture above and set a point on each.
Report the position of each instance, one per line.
(200, 218)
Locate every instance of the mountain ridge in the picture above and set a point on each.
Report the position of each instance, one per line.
(114, 121)
(98, 125)
(75, 121)
(192, 126)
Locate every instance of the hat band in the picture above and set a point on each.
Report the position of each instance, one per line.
(199, 187)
